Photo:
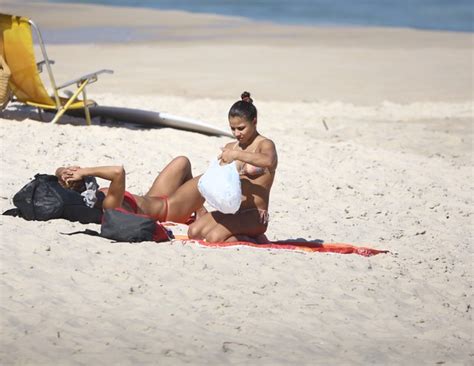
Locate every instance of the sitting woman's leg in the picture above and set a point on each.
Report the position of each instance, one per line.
(174, 175)
(219, 227)
(199, 228)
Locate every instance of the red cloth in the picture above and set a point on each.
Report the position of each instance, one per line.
(130, 199)
(306, 246)
(340, 248)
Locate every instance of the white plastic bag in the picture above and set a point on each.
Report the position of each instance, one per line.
(220, 187)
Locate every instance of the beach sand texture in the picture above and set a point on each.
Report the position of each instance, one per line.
(392, 170)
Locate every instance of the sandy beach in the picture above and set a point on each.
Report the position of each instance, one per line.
(374, 132)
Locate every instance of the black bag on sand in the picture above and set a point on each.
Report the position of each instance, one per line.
(123, 226)
(44, 199)
(39, 200)
(120, 225)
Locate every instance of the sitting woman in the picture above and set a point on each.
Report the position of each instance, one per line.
(256, 159)
(154, 203)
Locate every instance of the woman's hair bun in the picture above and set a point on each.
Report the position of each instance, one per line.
(246, 97)
(244, 108)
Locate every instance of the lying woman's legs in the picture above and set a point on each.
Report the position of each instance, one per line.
(178, 207)
(185, 201)
(218, 227)
(174, 175)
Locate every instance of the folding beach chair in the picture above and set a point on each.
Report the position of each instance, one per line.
(16, 45)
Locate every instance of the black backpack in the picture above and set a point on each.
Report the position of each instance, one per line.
(44, 199)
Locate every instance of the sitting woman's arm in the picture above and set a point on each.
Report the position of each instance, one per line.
(265, 158)
(114, 174)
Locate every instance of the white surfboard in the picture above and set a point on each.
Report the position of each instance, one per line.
(149, 118)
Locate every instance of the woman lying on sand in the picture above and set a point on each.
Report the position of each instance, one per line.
(174, 196)
(154, 203)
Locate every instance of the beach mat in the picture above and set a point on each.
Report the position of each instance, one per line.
(305, 246)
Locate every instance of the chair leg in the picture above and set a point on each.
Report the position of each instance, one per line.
(40, 113)
(69, 102)
(86, 107)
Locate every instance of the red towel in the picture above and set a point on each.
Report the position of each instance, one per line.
(306, 246)
(340, 248)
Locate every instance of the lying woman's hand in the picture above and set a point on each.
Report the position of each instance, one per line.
(73, 174)
(72, 168)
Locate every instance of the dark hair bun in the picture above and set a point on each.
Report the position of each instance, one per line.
(244, 108)
(246, 97)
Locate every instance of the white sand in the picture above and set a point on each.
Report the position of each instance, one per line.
(393, 171)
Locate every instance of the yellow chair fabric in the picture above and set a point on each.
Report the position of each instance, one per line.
(16, 46)
(19, 54)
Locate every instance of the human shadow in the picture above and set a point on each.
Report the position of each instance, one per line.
(316, 243)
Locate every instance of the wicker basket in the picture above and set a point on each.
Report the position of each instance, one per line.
(5, 93)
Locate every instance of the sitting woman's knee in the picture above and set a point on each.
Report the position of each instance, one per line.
(214, 237)
(194, 232)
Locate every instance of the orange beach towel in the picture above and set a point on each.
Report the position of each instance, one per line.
(306, 246)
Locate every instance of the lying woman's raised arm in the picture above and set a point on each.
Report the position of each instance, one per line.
(114, 174)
